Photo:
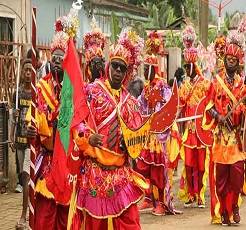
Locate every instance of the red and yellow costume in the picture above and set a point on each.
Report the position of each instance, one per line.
(193, 152)
(227, 168)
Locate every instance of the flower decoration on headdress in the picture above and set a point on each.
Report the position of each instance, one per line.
(188, 36)
(59, 41)
(134, 44)
(94, 42)
(95, 37)
(242, 25)
(65, 27)
(219, 45)
(68, 23)
(235, 44)
(190, 55)
(154, 44)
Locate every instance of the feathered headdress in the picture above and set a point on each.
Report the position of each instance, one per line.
(118, 51)
(190, 52)
(94, 42)
(65, 27)
(133, 44)
(188, 36)
(154, 44)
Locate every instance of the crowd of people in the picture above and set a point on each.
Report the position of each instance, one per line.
(101, 183)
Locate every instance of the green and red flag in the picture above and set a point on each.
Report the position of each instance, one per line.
(73, 110)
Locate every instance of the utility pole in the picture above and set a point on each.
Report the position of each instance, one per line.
(219, 6)
(203, 22)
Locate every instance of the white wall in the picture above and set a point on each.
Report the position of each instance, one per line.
(22, 9)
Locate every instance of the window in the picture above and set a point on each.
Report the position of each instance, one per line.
(6, 34)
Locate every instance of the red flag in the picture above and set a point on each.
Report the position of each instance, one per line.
(73, 110)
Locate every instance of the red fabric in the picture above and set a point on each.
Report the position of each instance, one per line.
(213, 198)
(155, 173)
(229, 178)
(128, 220)
(195, 158)
(229, 184)
(49, 215)
(57, 181)
(195, 167)
(72, 67)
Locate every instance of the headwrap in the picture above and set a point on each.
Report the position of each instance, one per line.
(234, 44)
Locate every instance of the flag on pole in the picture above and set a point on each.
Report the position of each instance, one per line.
(73, 110)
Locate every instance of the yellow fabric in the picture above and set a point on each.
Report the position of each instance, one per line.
(244, 187)
(206, 126)
(102, 155)
(48, 88)
(72, 207)
(153, 144)
(229, 93)
(135, 147)
(185, 135)
(173, 146)
(42, 189)
(44, 130)
(114, 92)
(183, 192)
(205, 175)
(140, 180)
(110, 223)
(192, 93)
(155, 192)
(225, 148)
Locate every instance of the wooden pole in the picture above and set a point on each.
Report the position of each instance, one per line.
(203, 23)
(33, 107)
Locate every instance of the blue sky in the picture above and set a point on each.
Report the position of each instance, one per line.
(233, 6)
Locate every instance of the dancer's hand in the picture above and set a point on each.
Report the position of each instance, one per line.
(95, 140)
(31, 132)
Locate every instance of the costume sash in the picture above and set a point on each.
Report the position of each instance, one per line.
(229, 93)
(100, 126)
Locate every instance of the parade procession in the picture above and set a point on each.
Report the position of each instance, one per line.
(122, 115)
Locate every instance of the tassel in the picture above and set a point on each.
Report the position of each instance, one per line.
(73, 206)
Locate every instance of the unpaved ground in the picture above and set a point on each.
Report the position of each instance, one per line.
(191, 219)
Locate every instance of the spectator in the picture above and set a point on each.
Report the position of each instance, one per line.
(18, 134)
(43, 68)
(179, 75)
(135, 87)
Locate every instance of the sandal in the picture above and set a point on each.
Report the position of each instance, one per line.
(20, 225)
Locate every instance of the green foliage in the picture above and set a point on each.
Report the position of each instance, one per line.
(115, 28)
(173, 40)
